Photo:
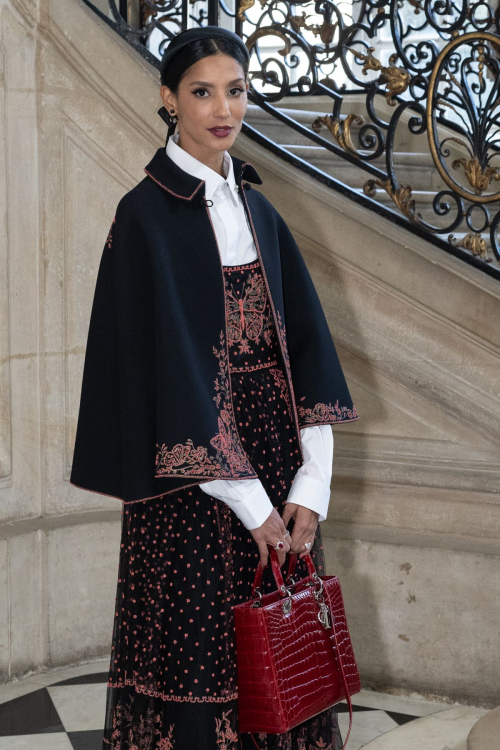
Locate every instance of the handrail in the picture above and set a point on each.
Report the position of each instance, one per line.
(445, 89)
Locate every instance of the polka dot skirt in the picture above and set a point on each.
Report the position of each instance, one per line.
(186, 560)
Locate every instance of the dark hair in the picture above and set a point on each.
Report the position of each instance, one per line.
(197, 50)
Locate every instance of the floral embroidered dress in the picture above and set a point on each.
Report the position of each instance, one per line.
(186, 560)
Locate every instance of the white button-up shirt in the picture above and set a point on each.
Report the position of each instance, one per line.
(311, 484)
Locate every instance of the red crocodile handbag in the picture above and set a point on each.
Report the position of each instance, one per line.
(294, 655)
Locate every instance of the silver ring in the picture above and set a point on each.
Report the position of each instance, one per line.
(287, 533)
(279, 545)
(308, 545)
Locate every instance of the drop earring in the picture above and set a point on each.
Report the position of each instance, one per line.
(170, 119)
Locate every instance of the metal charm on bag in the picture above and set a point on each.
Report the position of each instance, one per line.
(324, 615)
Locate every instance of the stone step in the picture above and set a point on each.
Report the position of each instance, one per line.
(485, 734)
(442, 730)
(413, 166)
(415, 169)
(279, 131)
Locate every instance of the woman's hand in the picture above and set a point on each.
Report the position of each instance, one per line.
(304, 528)
(271, 532)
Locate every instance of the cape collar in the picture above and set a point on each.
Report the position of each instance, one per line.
(164, 171)
(213, 180)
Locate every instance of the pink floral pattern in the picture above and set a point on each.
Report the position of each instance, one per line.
(229, 458)
(109, 239)
(319, 733)
(249, 322)
(326, 414)
(138, 733)
(135, 731)
(186, 560)
(279, 379)
(227, 737)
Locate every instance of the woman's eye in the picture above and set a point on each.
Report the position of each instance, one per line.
(197, 92)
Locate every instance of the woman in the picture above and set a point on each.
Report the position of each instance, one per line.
(209, 387)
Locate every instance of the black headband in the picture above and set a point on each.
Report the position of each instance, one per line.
(203, 32)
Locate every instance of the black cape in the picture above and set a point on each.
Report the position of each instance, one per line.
(156, 410)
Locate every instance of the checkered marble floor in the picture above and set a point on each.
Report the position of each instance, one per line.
(64, 710)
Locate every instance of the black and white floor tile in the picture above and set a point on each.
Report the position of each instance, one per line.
(64, 710)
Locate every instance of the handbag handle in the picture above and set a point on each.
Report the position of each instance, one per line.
(275, 565)
(278, 577)
(292, 561)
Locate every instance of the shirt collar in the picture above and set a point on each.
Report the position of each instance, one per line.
(193, 166)
(180, 184)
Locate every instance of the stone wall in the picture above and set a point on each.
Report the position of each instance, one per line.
(414, 524)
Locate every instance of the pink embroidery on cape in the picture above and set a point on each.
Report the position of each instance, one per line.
(185, 197)
(230, 458)
(326, 414)
(109, 238)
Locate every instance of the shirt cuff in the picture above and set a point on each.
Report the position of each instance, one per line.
(311, 484)
(310, 493)
(246, 497)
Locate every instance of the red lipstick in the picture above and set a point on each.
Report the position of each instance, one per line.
(221, 132)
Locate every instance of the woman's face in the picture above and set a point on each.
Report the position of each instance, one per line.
(212, 94)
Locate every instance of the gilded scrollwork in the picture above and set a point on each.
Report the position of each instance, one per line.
(459, 84)
(391, 73)
(244, 7)
(473, 242)
(395, 78)
(325, 31)
(401, 195)
(340, 129)
(478, 175)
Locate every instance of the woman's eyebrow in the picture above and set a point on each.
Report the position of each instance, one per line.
(211, 85)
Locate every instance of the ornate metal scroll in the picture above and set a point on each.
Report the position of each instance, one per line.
(406, 90)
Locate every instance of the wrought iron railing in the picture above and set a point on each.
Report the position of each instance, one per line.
(406, 87)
